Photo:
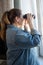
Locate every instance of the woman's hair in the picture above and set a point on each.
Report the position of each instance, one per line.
(13, 13)
(0, 26)
(4, 24)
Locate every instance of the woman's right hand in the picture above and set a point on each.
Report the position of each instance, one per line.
(30, 21)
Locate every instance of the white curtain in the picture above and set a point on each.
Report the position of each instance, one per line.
(40, 22)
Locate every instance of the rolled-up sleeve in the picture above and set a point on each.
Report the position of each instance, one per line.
(27, 40)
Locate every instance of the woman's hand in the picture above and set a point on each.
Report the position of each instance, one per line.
(30, 21)
(26, 26)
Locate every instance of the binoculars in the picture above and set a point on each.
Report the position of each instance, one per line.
(25, 16)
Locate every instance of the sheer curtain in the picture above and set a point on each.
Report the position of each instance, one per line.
(41, 11)
(40, 22)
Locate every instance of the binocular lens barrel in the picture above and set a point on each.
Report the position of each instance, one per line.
(25, 16)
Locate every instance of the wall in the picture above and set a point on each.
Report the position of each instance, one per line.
(16, 3)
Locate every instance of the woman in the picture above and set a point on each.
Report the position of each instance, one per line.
(20, 42)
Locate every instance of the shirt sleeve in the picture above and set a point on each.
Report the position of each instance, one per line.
(27, 40)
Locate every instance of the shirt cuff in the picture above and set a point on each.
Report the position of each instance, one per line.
(33, 31)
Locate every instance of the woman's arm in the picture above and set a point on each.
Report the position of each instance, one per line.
(27, 40)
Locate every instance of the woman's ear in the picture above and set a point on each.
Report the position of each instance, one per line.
(16, 18)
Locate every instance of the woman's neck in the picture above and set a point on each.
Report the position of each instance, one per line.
(19, 26)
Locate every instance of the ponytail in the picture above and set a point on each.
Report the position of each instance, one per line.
(4, 24)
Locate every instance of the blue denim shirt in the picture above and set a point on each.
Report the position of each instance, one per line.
(21, 46)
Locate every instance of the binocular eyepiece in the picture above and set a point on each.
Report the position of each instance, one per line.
(25, 16)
